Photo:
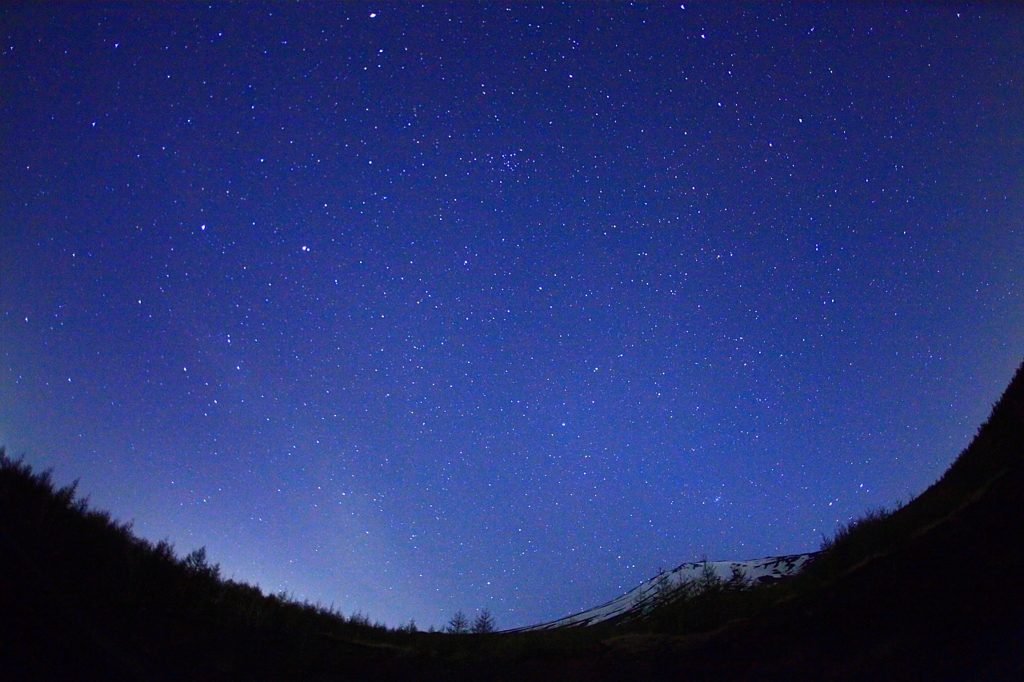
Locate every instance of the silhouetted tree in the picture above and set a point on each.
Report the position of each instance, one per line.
(458, 625)
(738, 579)
(484, 622)
(709, 580)
(197, 563)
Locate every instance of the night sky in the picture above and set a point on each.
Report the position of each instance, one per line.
(410, 309)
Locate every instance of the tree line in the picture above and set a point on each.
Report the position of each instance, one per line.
(460, 625)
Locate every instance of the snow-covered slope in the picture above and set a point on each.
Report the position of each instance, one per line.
(755, 570)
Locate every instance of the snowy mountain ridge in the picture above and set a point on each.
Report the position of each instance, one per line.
(764, 570)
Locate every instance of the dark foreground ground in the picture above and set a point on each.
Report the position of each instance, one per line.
(933, 592)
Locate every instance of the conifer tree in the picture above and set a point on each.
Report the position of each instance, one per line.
(458, 625)
(484, 622)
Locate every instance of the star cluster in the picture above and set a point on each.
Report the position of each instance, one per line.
(415, 308)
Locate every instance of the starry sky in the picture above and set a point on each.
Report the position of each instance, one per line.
(410, 309)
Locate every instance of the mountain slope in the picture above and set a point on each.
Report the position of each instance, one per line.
(642, 597)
